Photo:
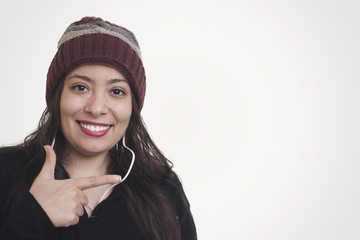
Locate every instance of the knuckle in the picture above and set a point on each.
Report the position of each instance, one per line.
(70, 219)
(77, 193)
(69, 186)
(74, 220)
(72, 205)
(72, 195)
(92, 180)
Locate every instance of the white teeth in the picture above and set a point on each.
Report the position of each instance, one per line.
(94, 128)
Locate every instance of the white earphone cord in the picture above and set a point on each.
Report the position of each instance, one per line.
(53, 143)
(127, 174)
(122, 180)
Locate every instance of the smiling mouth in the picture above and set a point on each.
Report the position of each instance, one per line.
(94, 129)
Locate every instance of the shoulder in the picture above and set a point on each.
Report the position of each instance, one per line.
(173, 184)
(176, 193)
(12, 164)
(13, 158)
(178, 197)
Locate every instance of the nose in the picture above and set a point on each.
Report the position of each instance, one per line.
(96, 105)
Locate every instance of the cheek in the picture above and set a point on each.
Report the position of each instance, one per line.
(64, 112)
(123, 112)
(67, 107)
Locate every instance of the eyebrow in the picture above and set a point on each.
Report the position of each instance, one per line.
(85, 78)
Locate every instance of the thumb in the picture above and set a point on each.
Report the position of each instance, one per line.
(48, 169)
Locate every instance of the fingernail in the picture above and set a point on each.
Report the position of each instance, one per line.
(118, 178)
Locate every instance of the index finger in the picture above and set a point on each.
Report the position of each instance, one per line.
(95, 181)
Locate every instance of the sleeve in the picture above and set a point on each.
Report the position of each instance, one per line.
(26, 220)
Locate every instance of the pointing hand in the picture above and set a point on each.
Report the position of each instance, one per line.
(63, 200)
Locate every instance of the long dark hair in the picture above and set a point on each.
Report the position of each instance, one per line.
(151, 207)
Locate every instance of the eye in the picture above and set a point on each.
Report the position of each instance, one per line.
(117, 92)
(80, 88)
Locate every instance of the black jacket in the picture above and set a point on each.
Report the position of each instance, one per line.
(27, 220)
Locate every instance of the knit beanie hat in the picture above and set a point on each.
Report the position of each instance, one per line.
(95, 41)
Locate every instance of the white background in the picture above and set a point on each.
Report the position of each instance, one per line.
(255, 102)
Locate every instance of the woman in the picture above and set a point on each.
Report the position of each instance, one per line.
(73, 189)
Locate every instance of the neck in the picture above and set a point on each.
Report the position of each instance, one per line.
(79, 165)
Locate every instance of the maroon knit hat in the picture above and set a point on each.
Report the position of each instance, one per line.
(92, 40)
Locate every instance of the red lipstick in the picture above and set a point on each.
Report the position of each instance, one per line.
(94, 130)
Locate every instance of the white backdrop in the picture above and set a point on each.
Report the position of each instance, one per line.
(255, 102)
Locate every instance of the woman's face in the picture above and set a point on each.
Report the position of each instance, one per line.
(95, 108)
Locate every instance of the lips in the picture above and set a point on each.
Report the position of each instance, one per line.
(94, 129)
